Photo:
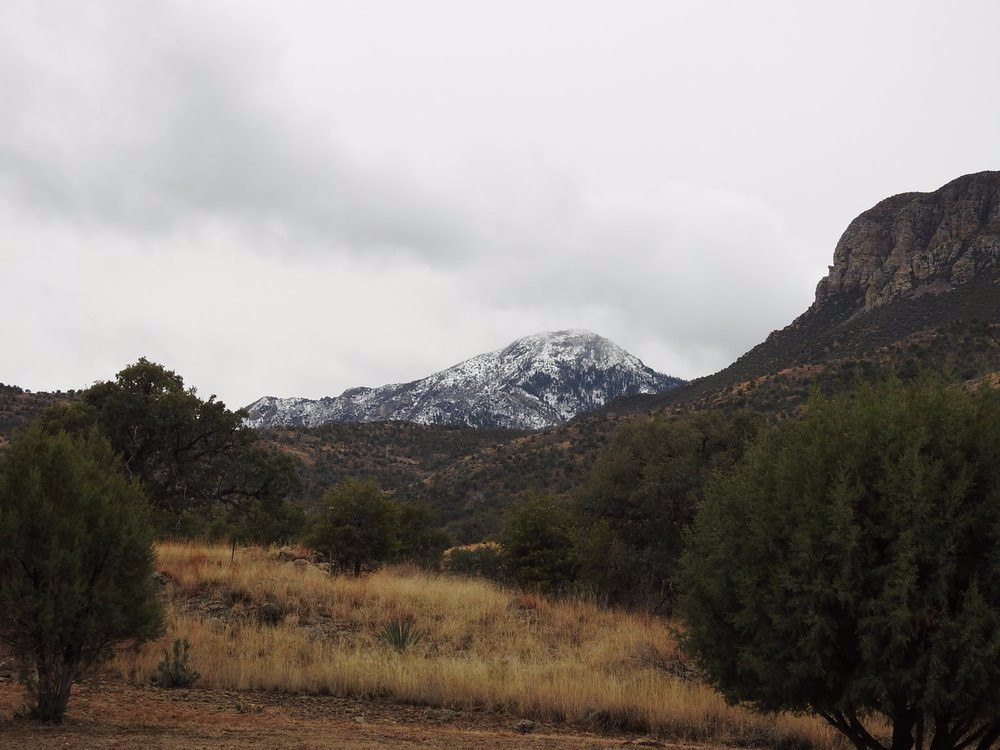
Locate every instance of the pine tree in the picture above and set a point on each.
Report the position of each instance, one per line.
(76, 562)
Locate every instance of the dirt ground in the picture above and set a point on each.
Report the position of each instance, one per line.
(113, 715)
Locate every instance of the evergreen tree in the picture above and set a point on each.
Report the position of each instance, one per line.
(850, 565)
(537, 543)
(356, 525)
(418, 539)
(76, 562)
(195, 458)
(642, 494)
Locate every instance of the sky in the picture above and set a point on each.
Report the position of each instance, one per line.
(293, 198)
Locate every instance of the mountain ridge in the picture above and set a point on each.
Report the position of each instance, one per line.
(535, 382)
(912, 266)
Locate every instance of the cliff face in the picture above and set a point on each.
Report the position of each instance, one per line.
(917, 243)
(915, 284)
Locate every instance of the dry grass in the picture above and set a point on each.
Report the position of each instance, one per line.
(481, 646)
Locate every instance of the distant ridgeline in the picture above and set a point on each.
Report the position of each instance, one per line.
(535, 382)
(913, 286)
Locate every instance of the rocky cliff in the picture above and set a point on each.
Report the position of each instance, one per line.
(915, 284)
(918, 243)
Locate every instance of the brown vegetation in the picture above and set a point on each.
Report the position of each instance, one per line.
(262, 624)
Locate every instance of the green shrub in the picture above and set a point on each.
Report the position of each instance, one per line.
(174, 670)
(482, 561)
(356, 525)
(537, 543)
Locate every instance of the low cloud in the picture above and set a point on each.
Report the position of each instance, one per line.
(173, 184)
(146, 121)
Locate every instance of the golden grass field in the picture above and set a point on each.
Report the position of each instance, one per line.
(481, 646)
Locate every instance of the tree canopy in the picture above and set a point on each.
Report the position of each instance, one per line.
(419, 540)
(76, 561)
(850, 565)
(537, 543)
(356, 525)
(192, 456)
(641, 495)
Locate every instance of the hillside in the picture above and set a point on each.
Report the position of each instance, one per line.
(18, 407)
(260, 622)
(914, 285)
(915, 281)
(289, 655)
(466, 475)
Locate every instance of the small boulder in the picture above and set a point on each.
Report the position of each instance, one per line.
(525, 726)
(269, 613)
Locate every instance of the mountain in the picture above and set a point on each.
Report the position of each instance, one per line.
(915, 283)
(915, 244)
(899, 296)
(535, 382)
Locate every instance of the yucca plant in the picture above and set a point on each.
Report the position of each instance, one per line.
(399, 634)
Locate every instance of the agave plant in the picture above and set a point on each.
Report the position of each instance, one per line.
(399, 634)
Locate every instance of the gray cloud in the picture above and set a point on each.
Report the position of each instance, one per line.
(150, 122)
(298, 197)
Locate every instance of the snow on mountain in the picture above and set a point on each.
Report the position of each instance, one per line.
(536, 382)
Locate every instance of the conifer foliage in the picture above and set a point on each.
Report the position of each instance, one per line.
(76, 562)
(850, 565)
(195, 458)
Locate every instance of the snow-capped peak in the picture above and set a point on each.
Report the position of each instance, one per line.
(537, 381)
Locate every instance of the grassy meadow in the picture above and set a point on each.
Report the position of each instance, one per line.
(264, 624)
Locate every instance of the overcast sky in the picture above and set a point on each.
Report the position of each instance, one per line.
(293, 198)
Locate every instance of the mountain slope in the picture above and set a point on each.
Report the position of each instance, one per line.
(914, 268)
(19, 407)
(535, 382)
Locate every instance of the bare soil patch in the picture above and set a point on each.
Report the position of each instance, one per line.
(108, 714)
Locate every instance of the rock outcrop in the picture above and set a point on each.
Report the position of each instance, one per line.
(915, 284)
(918, 243)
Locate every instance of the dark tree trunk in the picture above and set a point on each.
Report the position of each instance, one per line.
(53, 689)
(942, 735)
(991, 737)
(902, 731)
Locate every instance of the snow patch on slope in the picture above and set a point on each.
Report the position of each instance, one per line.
(535, 382)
